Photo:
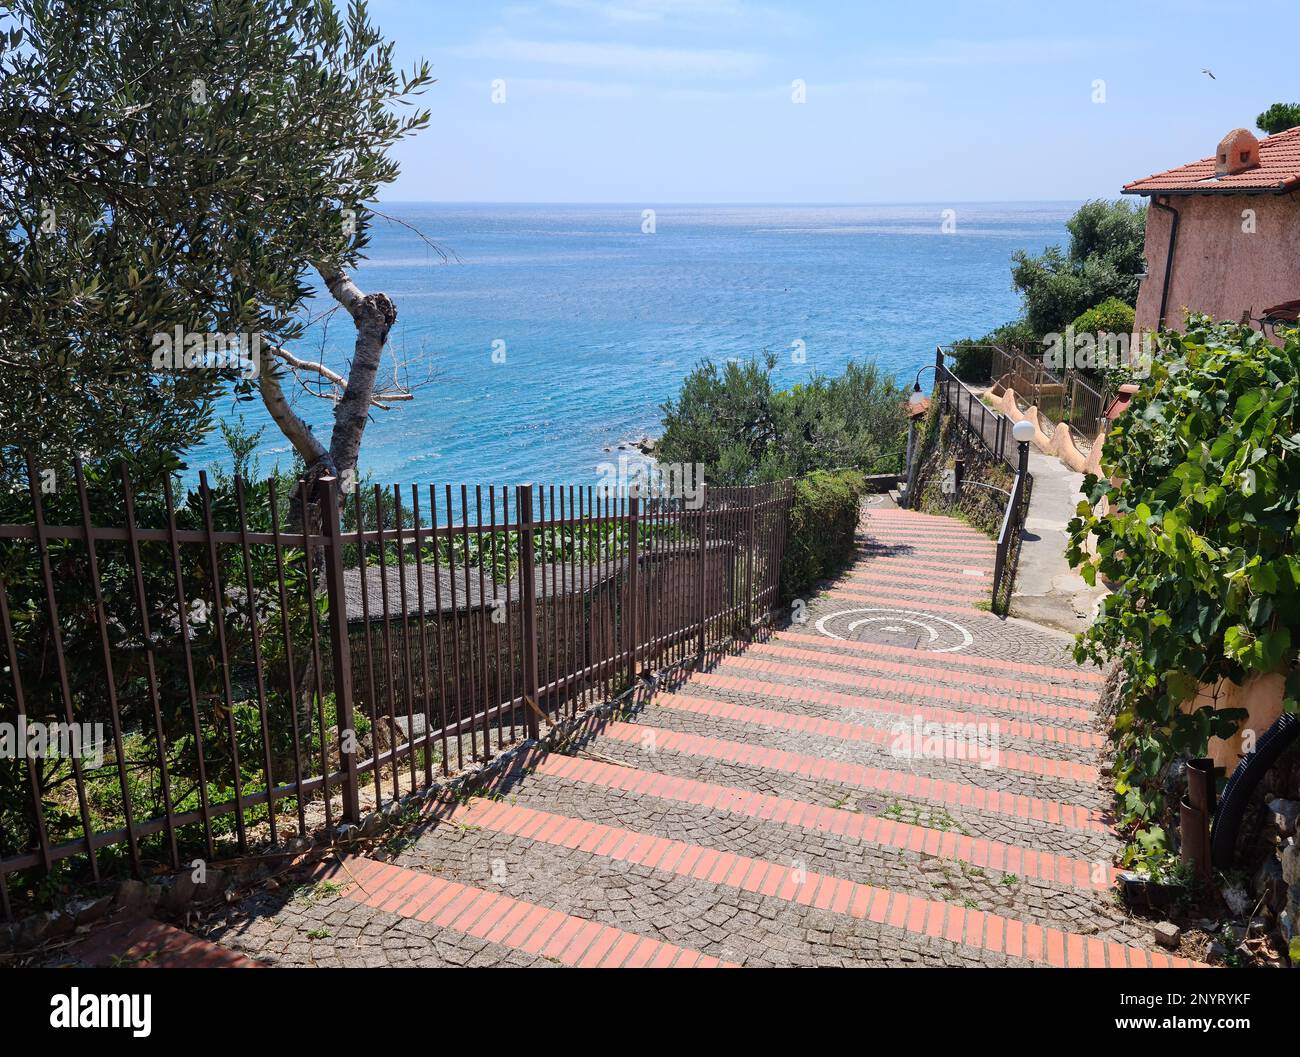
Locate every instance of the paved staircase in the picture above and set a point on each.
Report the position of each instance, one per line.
(899, 779)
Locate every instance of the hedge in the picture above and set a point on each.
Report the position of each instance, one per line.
(823, 523)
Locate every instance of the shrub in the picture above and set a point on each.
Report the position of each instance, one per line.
(972, 360)
(823, 522)
(974, 356)
(740, 428)
(1103, 260)
(1112, 316)
(1201, 539)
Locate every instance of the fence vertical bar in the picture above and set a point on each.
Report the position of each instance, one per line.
(20, 702)
(407, 669)
(633, 580)
(510, 630)
(316, 685)
(496, 621)
(329, 509)
(749, 562)
(702, 588)
(292, 685)
(106, 657)
(151, 671)
(259, 674)
(372, 697)
(425, 693)
(182, 619)
(528, 609)
(441, 652)
(470, 620)
(456, 680)
(56, 634)
(386, 639)
(223, 653)
(484, 618)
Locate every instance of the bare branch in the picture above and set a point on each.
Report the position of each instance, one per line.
(337, 382)
(422, 236)
(304, 441)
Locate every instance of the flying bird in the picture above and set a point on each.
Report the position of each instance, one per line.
(1209, 74)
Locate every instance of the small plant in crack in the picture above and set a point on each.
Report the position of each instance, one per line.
(314, 893)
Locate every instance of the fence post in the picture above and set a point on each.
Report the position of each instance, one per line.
(339, 647)
(633, 579)
(528, 609)
(939, 379)
(749, 561)
(704, 572)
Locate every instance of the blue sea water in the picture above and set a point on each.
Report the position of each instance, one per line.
(599, 322)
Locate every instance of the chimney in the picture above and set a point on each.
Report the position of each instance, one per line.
(1238, 151)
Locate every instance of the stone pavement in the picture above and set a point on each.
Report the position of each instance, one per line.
(899, 779)
(1047, 590)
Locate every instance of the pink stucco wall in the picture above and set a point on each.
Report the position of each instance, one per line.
(1218, 268)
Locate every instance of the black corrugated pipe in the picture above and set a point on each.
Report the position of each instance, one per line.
(1236, 794)
(1169, 259)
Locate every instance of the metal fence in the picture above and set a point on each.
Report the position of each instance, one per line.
(221, 676)
(1068, 397)
(1030, 379)
(991, 430)
(1085, 405)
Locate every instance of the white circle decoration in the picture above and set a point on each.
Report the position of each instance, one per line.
(926, 623)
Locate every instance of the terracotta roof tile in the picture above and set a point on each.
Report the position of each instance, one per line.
(1278, 170)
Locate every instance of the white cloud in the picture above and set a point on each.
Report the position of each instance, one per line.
(867, 86)
(651, 10)
(523, 87)
(1008, 51)
(624, 58)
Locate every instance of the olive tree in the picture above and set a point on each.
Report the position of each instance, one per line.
(189, 167)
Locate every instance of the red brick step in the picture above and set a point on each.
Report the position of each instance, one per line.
(956, 924)
(875, 779)
(871, 829)
(509, 922)
(762, 717)
(967, 659)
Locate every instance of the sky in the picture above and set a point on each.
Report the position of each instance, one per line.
(673, 101)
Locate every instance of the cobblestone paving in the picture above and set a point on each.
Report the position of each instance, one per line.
(897, 778)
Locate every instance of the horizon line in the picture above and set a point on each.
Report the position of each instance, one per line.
(659, 203)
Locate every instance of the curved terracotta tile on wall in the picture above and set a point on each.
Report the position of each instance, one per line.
(1093, 465)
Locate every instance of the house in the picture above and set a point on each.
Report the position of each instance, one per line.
(1223, 233)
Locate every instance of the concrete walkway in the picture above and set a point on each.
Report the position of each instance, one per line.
(1047, 590)
(903, 779)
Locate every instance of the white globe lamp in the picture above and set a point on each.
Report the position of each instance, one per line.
(1023, 431)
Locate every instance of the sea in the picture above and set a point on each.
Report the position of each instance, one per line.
(537, 339)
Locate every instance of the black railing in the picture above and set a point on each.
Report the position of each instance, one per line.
(991, 431)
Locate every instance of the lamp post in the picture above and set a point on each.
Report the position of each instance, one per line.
(916, 396)
(915, 400)
(1023, 433)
